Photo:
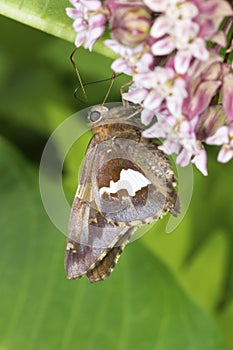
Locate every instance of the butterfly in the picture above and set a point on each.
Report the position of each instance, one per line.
(125, 182)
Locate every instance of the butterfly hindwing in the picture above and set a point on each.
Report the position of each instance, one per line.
(90, 235)
(105, 266)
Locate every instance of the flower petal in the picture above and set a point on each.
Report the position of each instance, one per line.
(145, 80)
(135, 95)
(152, 101)
(210, 121)
(174, 106)
(199, 49)
(202, 97)
(225, 154)
(170, 147)
(220, 38)
(91, 5)
(73, 12)
(145, 62)
(114, 46)
(182, 61)
(200, 160)
(163, 46)
(80, 38)
(188, 10)
(156, 5)
(79, 24)
(183, 158)
(97, 20)
(120, 66)
(160, 27)
(146, 116)
(219, 138)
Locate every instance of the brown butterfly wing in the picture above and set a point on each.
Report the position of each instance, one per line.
(90, 235)
(96, 238)
(105, 266)
(149, 202)
(99, 227)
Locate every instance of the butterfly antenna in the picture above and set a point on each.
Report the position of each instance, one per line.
(78, 74)
(110, 87)
(125, 102)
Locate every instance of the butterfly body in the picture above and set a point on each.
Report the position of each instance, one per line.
(126, 181)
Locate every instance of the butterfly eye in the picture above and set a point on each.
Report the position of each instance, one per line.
(95, 116)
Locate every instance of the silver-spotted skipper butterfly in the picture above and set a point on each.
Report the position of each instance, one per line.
(126, 181)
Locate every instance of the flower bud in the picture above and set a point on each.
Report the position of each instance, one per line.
(130, 25)
(209, 122)
(227, 96)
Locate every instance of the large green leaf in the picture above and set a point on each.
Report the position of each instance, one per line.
(37, 81)
(141, 306)
(48, 16)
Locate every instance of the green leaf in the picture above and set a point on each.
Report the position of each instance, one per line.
(48, 16)
(200, 250)
(225, 321)
(216, 194)
(37, 82)
(141, 306)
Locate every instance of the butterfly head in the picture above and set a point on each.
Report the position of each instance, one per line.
(99, 115)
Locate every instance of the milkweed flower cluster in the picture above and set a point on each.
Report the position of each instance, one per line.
(178, 54)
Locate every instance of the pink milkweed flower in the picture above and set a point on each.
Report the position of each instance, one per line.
(89, 21)
(162, 6)
(159, 86)
(174, 14)
(176, 29)
(179, 137)
(209, 121)
(184, 86)
(211, 14)
(131, 60)
(223, 137)
(203, 81)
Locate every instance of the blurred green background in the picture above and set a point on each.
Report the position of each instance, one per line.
(168, 292)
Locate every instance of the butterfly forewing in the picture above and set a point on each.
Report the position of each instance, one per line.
(129, 182)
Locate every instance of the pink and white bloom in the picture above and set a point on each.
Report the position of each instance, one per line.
(174, 14)
(89, 21)
(177, 30)
(163, 86)
(210, 121)
(223, 137)
(211, 14)
(131, 60)
(203, 82)
(184, 86)
(179, 138)
(162, 6)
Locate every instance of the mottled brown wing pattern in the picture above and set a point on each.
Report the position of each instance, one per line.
(150, 202)
(104, 267)
(91, 236)
(96, 238)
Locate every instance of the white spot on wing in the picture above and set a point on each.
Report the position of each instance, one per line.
(130, 180)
